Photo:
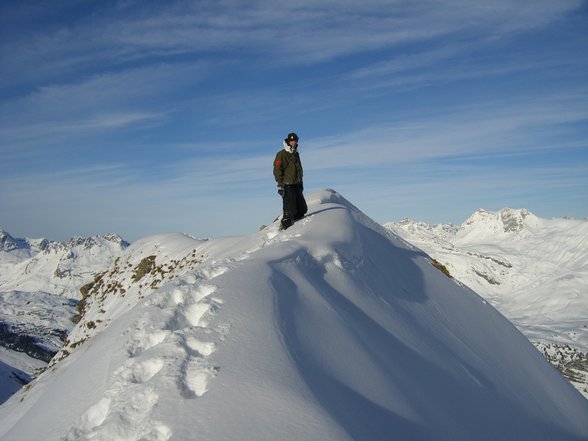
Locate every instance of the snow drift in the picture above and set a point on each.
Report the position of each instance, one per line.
(332, 330)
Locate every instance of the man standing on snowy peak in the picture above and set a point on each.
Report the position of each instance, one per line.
(288, 174)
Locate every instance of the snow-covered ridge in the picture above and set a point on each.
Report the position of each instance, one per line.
(142, 269)
(533, 270)
(334, 329)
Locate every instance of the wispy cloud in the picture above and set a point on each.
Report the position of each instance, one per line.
(288, 31)
(450, 64)
(52, 114)
(490, 128)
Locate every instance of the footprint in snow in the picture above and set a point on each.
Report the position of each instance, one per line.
(177, 296)
(196, 378)
(213, 271)
(202, 292)
(144, 371)
(200, 348)
(191, 313)
(145, 340)
(194, 314)
(121, 416)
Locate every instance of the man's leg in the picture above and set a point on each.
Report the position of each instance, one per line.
(289, 206)
(301, 207)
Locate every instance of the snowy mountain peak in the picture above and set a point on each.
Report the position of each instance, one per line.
(80, 245)
(514, 220)
(22, 247)
(334, 329)
(9, 243)
(93, 241)
(507, 221)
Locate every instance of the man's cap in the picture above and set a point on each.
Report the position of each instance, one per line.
(291, 137)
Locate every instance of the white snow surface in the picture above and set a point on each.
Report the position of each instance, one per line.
(14, 371)
(334, 329)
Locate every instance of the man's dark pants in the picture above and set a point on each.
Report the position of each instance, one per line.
(294, 204)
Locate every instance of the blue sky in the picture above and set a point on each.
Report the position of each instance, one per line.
(143, 117)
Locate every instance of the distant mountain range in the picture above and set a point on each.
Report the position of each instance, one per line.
(533, 270)
(58, 268)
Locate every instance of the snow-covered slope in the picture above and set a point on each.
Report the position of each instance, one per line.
(332, 330)
(533, 270)
(40, 285)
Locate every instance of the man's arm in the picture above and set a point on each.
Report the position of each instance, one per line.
(279, 170)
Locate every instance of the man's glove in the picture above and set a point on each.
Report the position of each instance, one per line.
(281, 191)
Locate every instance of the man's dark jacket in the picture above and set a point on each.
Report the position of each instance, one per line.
(287, 168)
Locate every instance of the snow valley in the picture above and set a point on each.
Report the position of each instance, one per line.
(335, 329)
